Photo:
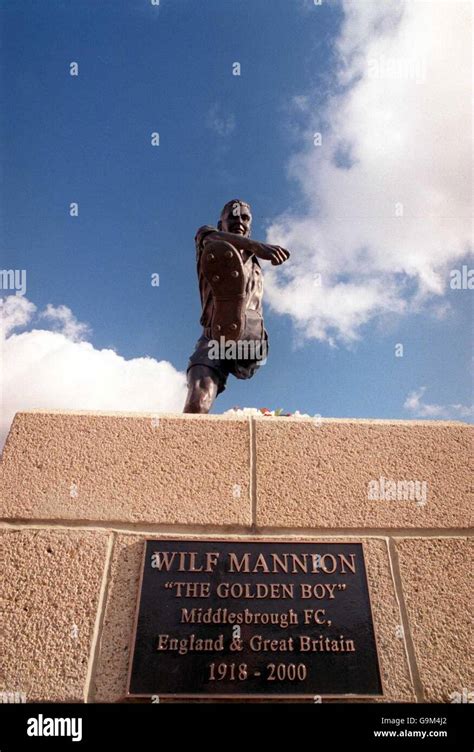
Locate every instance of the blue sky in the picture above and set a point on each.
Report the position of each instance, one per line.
(86, 139)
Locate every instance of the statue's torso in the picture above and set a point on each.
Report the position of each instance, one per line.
(253, 285)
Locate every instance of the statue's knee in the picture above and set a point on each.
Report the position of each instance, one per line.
(194, 406)
(206, 384)
(202, 390)
(204, 394)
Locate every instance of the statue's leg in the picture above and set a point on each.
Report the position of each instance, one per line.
(224, 271)
(203, 383)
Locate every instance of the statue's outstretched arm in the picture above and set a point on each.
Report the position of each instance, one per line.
(274, 253)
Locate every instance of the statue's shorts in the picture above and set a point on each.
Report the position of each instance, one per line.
(219, 357)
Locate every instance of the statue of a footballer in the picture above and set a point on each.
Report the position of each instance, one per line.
(234, 339)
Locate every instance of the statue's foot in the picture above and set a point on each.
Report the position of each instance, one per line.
(223, 268)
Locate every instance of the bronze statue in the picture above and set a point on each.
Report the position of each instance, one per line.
(234, 339)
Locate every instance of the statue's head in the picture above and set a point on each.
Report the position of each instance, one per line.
(236, 217)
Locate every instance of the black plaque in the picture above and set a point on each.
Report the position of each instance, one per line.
(246, 619)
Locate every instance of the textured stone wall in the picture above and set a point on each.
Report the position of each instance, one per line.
(80, 492)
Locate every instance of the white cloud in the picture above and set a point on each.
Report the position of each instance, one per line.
(66, 322)
(420, 409)
(219, 121)
(45, 369)
(16, 311)
(399, 128)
